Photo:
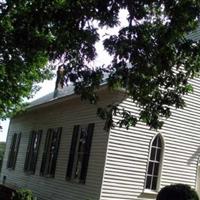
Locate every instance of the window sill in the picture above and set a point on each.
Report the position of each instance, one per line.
(75, 181)
(28, 174)
(47, 176)
(10, 169)
(150, 194)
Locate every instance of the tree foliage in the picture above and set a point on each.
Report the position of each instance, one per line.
(23, 194)
(153, 58)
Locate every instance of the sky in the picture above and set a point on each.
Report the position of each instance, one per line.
(47, 87)
(102, 58)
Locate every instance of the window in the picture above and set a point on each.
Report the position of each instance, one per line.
(198, 178)
(79, 153)
(154, 164)
(48, 166)
(32, 151)
(12, 156)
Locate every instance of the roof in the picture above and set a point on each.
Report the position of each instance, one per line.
(64, 92)
(58, 95)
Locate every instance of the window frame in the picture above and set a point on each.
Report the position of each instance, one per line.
(75, 154)
(79, 152)
(151, 190)
(31, 152)
(13, 151)
(48, 166)
(197, 186)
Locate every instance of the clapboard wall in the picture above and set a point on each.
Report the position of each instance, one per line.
(128, 152)
(124, 152)
(69, 112)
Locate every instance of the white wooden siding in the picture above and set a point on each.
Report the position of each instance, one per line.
(65, 115)
(128, 152)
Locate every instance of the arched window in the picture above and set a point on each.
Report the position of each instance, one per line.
(198, 178)
(154, 164)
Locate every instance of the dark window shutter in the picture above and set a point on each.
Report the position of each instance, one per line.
(72, 152)
(11, 152)
(36, 151)
(57, 136)
(16, 150)
(44, 157)
(28, 151)
(85, 162)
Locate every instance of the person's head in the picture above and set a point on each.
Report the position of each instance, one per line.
(177, 192)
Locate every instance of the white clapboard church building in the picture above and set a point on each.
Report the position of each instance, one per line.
(59, 150)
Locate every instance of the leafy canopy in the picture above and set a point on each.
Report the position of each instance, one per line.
(152, 56)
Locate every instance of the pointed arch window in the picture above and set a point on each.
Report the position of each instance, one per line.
(198, 178)
(154, 164)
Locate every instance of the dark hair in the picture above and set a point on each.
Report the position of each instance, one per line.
(177, 192)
